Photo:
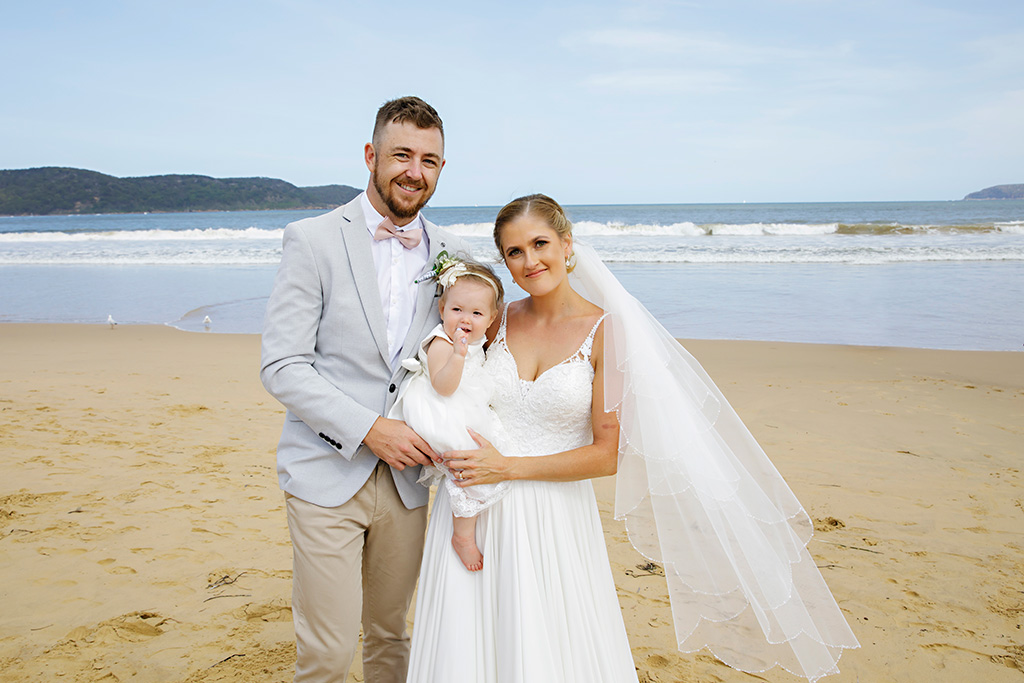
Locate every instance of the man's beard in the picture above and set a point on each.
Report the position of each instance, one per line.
(399, 211)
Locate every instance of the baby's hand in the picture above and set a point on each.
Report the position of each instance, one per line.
(461, 343)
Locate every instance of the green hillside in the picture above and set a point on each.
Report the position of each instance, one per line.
(999, 192)
(45, 191)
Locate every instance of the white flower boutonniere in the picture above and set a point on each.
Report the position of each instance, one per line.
(444, 260)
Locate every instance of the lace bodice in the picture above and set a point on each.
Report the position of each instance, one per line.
(549, 414)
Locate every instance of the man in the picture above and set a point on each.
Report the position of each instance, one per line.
(344, 311)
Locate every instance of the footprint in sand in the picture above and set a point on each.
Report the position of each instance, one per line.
(185, 410)
(828, 524)
(107, 562)
(275, 610)
(1014, 657)
(12, 505)
(656, 669)
(133, 627)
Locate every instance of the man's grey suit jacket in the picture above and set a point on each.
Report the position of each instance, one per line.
(325, 355)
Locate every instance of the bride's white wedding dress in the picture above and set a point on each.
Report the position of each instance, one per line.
(696, 491)
(544, 607)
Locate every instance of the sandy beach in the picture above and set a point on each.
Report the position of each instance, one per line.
(143, 535)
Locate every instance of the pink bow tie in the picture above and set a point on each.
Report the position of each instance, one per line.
(409, 238)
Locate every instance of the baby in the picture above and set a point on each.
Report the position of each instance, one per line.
(447, 391)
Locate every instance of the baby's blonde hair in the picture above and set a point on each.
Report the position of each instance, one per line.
(478, 270)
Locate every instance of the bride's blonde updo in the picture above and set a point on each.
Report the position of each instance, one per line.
(538, 205)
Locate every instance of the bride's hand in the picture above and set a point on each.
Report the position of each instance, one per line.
(484, 465)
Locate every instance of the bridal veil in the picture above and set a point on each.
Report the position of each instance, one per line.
(699, 495)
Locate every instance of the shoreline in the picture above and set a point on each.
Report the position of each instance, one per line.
(686, 342)
(144, 533)
(496, 207)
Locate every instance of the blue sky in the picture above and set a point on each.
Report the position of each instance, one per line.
(598, 102)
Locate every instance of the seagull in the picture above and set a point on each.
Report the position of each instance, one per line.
(207, 321)
(111, 321)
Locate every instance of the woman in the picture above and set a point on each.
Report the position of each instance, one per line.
(584, 395)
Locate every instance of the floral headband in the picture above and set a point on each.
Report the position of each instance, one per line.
(448, 269)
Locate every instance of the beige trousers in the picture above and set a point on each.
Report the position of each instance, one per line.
(360, 558)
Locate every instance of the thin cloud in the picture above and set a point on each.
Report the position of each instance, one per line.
(656, 61)
(660, 81)
(709, 47)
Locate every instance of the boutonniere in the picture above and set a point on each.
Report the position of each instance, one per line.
(444, 260)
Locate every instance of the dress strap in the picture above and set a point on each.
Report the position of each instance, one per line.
(500, 336)
(587, 347)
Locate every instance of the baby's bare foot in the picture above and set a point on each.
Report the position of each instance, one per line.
(465, 548)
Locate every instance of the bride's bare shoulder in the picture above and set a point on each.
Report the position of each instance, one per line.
(590, 311)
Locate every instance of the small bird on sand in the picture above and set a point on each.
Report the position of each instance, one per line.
(111, 321)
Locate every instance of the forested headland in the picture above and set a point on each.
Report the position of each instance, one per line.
(999, 192)
(51, 190)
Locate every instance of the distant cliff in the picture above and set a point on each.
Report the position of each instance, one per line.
(45, 191)
(999, 192)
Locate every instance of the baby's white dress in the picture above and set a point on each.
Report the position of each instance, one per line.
(442, 421)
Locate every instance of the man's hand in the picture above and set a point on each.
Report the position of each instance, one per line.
(398, 445)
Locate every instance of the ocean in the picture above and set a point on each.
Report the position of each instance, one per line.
(916, 274)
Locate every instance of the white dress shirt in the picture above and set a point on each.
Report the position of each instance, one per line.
(397, 269)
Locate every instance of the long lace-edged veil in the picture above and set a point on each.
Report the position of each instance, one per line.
(699, 495)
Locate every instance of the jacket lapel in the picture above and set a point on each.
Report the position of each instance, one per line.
(357, 246)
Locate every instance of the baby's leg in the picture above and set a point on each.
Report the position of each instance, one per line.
(464, 542)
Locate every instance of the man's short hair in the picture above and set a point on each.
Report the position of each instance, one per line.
(409, 109)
